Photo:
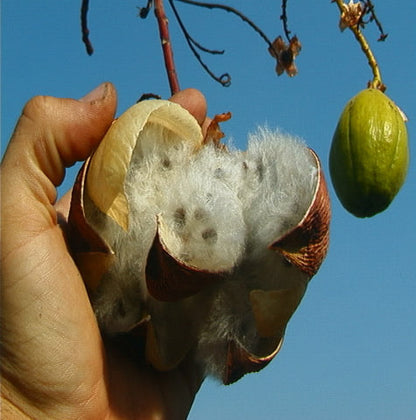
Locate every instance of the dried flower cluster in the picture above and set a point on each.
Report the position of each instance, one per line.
(285, 55)
(350, 15)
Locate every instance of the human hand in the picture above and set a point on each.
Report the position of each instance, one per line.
(54, 363)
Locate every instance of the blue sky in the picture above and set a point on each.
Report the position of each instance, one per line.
(349, 349)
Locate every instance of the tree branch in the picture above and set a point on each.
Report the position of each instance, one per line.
(84, 27)
(162, 21)
(224, 79)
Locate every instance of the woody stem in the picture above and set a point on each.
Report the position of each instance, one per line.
(365, 47)
(162, 21)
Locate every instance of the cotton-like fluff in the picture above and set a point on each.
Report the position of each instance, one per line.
(276, 189)
(279, 185)
(120, 300)
(201, 215)
(212, 247)
(193, 198)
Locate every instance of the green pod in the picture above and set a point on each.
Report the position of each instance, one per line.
(369, 155)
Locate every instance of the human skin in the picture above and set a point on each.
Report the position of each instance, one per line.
(54, 362)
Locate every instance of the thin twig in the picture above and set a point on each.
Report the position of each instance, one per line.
(369, 8)
(224, 79)
(283, 17)
(197, 44)
(84, 27)
(233, 11)
(162, 21)
(365, 47)
(144, 11)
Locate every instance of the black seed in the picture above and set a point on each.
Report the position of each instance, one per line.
(166, 163)
(260, 170)
(219, 173)
(179, 217)
(210, 235)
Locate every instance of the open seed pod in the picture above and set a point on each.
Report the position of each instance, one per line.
(209, 250)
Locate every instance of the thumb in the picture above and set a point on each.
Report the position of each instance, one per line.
(54, 133)
(51, 134)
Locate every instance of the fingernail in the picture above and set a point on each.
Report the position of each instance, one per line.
(96, 95)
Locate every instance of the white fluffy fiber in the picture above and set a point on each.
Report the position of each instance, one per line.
(278, 189)
(204, 219)
(219, 203)
(219, 210)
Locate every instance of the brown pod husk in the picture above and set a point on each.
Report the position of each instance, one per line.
(169, 279)
(241, 362)
(272, 309)
(306, 245)
(91, 253)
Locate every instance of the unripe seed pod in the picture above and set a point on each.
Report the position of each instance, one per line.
(369, 155)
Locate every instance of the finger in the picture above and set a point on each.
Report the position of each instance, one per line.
(194, 101)
(51, 134)
(205, 125)
(54, 133)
